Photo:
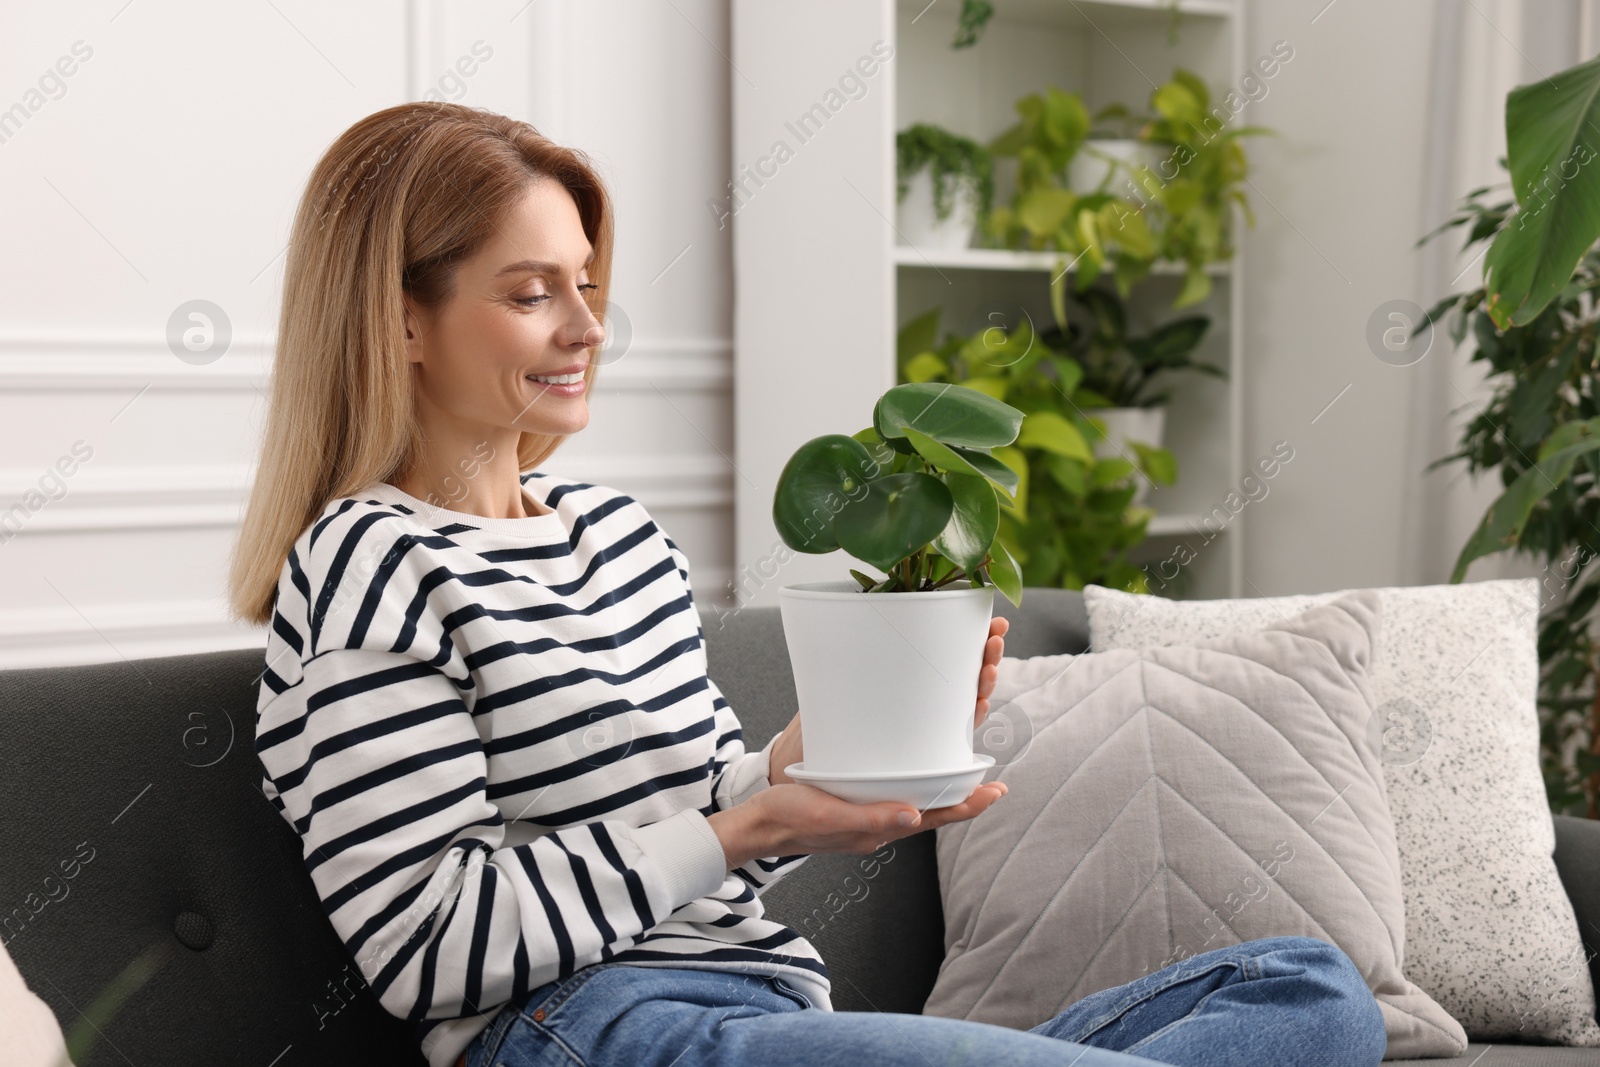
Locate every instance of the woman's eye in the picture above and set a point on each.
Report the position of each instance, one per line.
(532, 301)
(589, 285)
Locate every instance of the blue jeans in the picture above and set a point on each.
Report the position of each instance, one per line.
(1278, 1001)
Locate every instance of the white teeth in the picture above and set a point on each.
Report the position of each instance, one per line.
(556, 379)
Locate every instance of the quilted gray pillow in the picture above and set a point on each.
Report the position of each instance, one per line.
(1174, 800)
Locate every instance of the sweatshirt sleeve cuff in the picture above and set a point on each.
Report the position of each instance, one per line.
(749, 775)
(688, 853)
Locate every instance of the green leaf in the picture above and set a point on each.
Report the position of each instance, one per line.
(1067, 473)
(823, 476)
(973, 522)
(1005, 573)
(1502, 524)
(1110, 472)
(1178, 103)
(995, 387)
(952, 414)
(918, 335)
(940, 455)
(1159, 463)
(1196, 286)
(1106, 310)
(990, 467)
(1069, 372)
(1551, 133)
(925, 367)
(1172, 343)
(1053, 433)
(1046, 209)
(1017, 460)
(899, 514)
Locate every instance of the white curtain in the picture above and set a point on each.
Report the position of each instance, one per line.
(1481, 49)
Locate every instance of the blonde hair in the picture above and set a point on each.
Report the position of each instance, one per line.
(396, 202)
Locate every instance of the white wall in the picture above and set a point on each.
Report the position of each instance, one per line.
(1387, 115)
(166, 168)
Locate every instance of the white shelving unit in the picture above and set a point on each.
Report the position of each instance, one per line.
(823, 286)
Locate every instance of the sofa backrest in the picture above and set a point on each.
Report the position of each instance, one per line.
(140, 850)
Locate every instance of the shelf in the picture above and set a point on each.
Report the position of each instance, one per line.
(1178, 525)
(1091, 14)
(1006, 259)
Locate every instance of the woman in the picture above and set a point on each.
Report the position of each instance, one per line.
(529, 813)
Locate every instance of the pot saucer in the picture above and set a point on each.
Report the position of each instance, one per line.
(924, 789)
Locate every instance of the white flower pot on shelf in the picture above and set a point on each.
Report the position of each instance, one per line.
(1144, 425)
(1095, 157)
(921, 227)
(887, 684)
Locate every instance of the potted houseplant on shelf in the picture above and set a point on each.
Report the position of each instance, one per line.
(1191, 190)
(1074, 520)
(944, 183)
(1118, 371)
(1095, 231)
(885, 667)
(1111, 154)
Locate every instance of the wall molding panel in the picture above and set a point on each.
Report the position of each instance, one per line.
(140, 536)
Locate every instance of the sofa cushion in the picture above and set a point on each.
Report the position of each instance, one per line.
(1177, 800)
(1490, 932)
(143, 859)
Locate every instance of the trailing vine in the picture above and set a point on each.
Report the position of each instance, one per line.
(953, 159)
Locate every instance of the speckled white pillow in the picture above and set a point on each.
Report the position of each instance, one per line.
(1490, 931)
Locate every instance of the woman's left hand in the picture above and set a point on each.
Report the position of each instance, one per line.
(788, 749)
(993, 649)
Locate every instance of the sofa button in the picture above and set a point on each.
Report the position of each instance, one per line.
(194, 930)
(538, 1016)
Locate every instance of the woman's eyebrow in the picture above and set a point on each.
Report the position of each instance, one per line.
(538, 266)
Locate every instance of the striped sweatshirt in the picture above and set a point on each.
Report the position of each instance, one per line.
(498, 743)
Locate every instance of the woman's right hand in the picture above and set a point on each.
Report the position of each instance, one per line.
(791, 819)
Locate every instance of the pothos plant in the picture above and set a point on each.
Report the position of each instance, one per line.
(1074, 519)
(1194, 187)
(957, 164)
(1178, 212)
(1535, 321)
(917, 494)
(1096, 230)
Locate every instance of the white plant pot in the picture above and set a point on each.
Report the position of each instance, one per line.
(887, 682)
(1096, 157)
(1144, 425)
(921, 228)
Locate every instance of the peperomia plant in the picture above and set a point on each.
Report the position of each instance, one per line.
(917, 494)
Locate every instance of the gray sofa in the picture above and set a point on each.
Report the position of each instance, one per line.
(149, 887)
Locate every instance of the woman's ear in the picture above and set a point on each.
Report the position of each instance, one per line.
(414, 330)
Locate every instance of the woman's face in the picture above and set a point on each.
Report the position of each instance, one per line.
(519, 309)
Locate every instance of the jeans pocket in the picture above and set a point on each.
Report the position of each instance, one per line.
(786, 990)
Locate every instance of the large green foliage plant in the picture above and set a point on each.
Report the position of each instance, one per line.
(1533, 321)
